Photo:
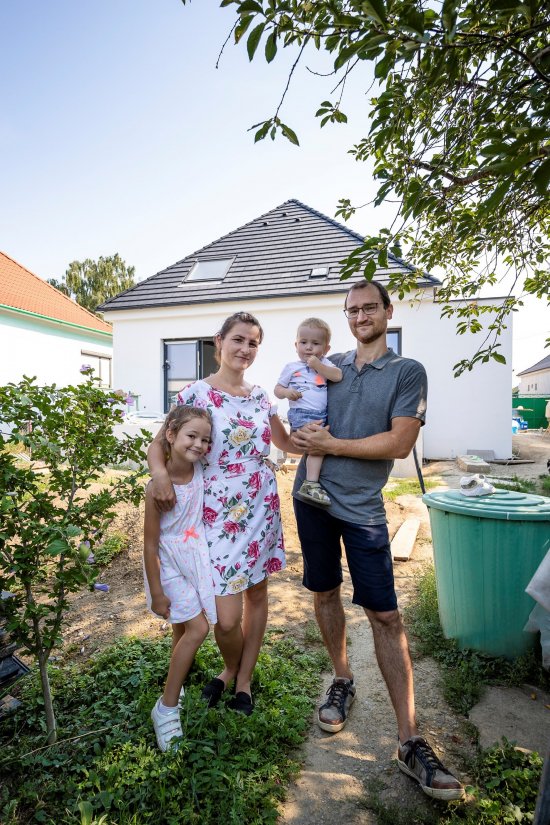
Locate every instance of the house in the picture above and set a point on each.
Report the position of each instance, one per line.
(283, 267)
(44, 333)
(536, 379)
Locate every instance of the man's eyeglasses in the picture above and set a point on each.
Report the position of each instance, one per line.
(366, 309)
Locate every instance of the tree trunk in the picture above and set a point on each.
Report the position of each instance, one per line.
(47, 694)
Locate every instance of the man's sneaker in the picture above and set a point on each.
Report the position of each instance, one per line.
(417, 759)
(167, 725)
(334, 713)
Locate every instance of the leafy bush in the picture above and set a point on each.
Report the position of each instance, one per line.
(50, 517)
(228, 768)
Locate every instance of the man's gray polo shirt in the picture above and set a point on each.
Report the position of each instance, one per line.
(363, 403)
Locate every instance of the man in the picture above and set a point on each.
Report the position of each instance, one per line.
(374, 416)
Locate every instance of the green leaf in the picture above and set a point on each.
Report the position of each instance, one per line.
(498, 195)
(448, 15)
(56, 547)
(370, 269)
(270, 47)
(253, 40)
(497, 356)
(290, 134)
(250, 5)
(376, 10)
(242, 27)
(542, 177)
(414, 20)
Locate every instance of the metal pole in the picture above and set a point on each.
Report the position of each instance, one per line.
(542, 811)
(419, 471)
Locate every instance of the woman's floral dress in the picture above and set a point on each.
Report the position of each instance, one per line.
(241, 513)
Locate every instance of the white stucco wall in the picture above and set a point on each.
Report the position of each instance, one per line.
(50, 351)
(471, 412)
(535, 383)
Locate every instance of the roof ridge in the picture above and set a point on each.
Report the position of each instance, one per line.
(355, 235)
(57, 291)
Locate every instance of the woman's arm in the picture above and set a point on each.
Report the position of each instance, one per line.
(162, 489)
(279, 435)
(160, 603)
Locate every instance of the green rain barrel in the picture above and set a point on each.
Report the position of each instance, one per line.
(486, 550)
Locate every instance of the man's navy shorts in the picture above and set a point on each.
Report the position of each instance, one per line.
(367, 551)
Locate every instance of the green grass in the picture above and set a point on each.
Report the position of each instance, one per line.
(407, 486)
(229, 768)
(464, 672)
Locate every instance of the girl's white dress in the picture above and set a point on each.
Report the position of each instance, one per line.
(241, 506)
(185, 571)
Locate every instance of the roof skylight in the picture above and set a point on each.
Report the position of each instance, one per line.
(319, 272)
(212, 270)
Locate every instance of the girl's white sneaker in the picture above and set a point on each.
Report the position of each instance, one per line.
(167, 725)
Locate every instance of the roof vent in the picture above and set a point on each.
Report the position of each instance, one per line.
(319, 272)
(284, 214)
(296, 220)
(265, 223)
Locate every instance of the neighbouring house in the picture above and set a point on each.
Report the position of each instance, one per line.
(536, 379)
(44, 333)
(284, 266)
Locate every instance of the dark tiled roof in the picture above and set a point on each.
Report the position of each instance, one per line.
(540, 365)
(273, 258)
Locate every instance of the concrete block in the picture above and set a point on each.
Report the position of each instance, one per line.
(472, 464)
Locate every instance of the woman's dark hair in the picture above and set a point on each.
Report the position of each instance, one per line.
(233, 320)
(176, 418)
(382, 291)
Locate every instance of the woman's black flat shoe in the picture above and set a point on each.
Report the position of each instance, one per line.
(212, 691)
(242, 703)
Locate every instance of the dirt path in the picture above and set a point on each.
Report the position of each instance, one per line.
(337, 769)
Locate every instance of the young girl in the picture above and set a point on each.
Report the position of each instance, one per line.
(178, 580)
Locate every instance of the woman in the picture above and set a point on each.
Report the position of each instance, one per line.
(241, 506)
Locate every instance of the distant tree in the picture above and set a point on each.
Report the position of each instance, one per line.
(459, 136)
(90, 283)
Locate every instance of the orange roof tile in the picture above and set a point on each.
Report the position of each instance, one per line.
(21, 289)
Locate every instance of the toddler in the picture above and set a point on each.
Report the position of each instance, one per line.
(178, 581)
(304, 383)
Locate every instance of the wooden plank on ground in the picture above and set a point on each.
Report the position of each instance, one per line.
(403, 542)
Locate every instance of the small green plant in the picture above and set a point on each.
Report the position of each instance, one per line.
(111, 546)
(519, 485)
(464, 672)
(50, 518)
(544, 484)
(228, 768)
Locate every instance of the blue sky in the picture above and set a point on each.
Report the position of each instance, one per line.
(118, 134)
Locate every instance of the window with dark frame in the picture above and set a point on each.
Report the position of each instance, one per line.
(393, 337)
(185, 360)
